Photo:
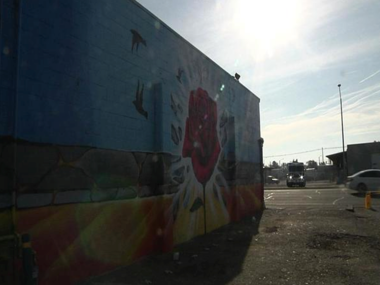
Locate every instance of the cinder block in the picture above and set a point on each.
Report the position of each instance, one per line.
(110, 168)
(69, 197)
(34, 200)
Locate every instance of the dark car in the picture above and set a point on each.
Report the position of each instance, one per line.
(272, 180)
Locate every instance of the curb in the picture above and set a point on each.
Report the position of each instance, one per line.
(307, 187)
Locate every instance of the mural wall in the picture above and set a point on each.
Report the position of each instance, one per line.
(124, 140)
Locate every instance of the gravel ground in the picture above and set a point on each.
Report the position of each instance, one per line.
(282, 246)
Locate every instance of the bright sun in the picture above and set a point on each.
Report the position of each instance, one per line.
(267, 24)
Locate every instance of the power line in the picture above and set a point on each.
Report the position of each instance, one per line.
(302, 152)
(335, 147)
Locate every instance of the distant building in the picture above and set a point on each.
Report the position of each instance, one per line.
(359, 157)
(363, 156)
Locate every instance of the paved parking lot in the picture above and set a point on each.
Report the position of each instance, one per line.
(317, 194)
(308, 236)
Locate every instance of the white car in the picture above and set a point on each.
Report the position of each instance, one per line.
(366, 180)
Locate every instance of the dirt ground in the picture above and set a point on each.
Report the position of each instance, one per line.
(282, 246)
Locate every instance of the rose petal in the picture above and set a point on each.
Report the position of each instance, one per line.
(201, 141)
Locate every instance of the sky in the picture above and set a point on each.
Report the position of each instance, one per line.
(292, 54)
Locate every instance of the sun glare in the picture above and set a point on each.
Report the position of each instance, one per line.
(267, 24)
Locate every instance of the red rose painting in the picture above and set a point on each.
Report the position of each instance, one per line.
(201, 142)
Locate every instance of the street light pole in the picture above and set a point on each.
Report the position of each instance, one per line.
(341, 118)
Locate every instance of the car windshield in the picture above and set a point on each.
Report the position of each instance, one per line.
(296, 168)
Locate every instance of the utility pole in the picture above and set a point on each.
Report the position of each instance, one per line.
(323, 158)
(341, 118)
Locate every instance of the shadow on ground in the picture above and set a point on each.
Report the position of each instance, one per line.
(362, 195)
(215, 258)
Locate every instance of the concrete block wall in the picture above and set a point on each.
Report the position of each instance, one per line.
(105, 175)
(78, 76)
(8, 65)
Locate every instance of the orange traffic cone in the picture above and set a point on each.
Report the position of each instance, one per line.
(367, 201)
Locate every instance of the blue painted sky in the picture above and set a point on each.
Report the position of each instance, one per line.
(292, 54)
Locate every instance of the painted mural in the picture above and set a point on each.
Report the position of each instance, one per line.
(137, 143)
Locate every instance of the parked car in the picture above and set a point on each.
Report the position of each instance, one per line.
(366, 180)
(272, 180)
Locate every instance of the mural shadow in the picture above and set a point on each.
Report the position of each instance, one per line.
(215, 258)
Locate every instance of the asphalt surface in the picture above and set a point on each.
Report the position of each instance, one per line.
(318, 194)
(321, 234)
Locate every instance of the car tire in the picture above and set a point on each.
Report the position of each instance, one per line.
(362, 187)
(288, 184)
